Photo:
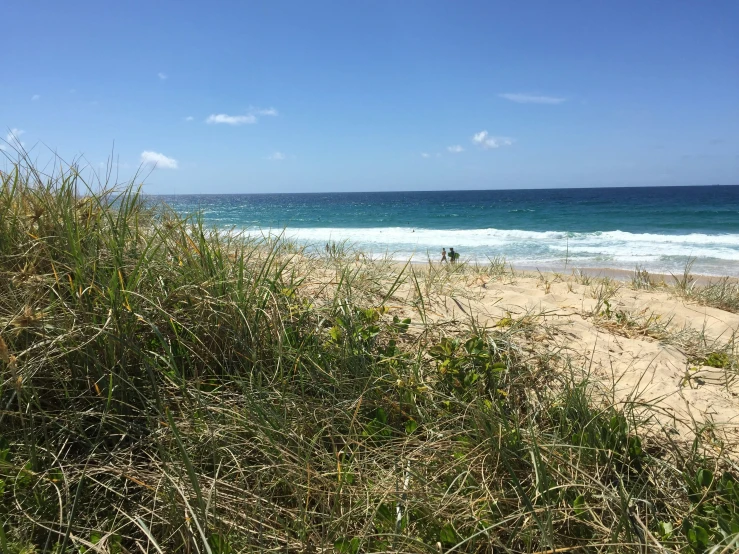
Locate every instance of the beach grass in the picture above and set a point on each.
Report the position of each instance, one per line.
(168, 388)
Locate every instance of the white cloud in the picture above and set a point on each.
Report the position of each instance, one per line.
(231, 119)
(162, 76)
(14, 134)
(276, 156)
(524, 98)
(425, 155)
(484, 140)
(159, 161)
(456, 149)
(35, 97)
(249, 118)
(264, 111)
(189, 118)
(12, 140)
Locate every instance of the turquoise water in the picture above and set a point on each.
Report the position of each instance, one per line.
(659, 228)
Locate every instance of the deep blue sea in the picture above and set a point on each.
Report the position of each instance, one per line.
(658, 228)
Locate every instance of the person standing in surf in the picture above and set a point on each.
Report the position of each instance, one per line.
(452, 255)
(443, 255)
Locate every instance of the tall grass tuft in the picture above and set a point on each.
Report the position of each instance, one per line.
(168, 388)
(722, 293)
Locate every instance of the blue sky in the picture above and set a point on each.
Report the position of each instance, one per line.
(405, 95)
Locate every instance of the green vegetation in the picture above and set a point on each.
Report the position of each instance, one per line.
(165, 388)
(722, 293)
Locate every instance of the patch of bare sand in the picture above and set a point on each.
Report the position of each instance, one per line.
(643, 347)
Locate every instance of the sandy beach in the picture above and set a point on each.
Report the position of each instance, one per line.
(649, 347)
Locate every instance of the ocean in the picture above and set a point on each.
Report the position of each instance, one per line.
(657, 228)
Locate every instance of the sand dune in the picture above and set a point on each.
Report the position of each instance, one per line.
(645, 347)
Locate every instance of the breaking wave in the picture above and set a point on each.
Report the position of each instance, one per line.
(664, 252)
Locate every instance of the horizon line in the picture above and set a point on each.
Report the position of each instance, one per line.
(436, 190)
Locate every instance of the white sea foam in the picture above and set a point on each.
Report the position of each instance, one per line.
(608, 248)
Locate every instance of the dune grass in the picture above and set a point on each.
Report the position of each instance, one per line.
(720, 293)
(166, 388)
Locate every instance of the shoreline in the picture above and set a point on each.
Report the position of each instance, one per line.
(623, 275)
(710, 255)
(730, 268)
